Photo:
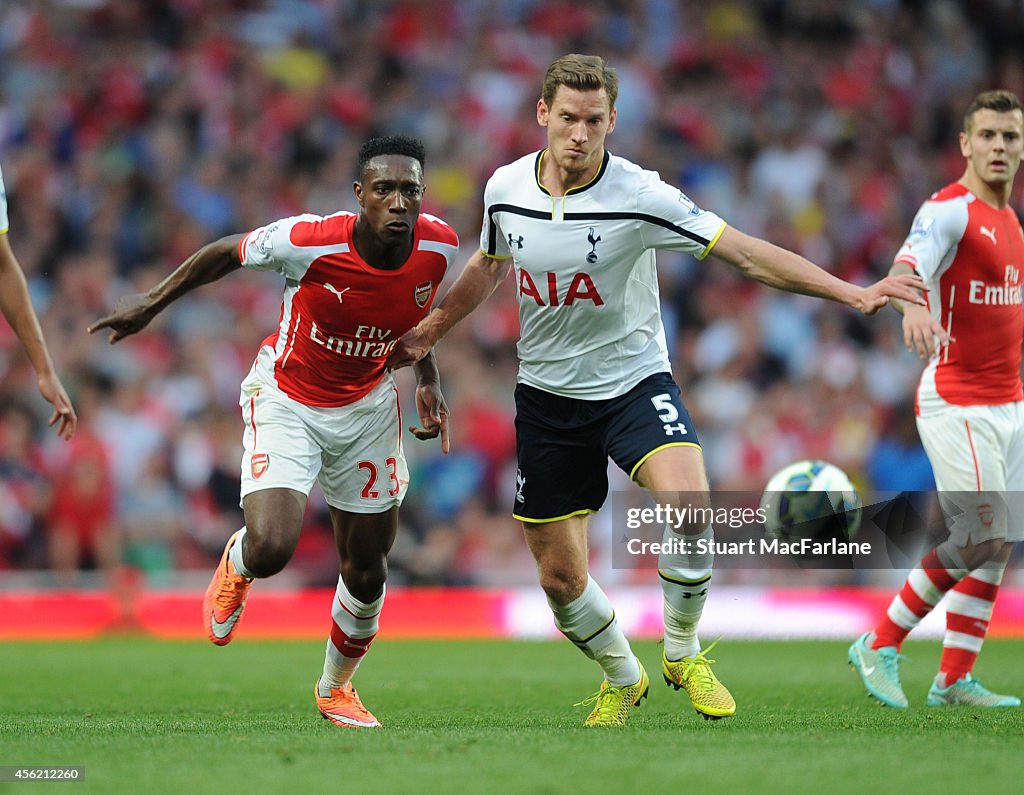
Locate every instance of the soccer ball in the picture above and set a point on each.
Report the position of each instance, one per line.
(811, 499)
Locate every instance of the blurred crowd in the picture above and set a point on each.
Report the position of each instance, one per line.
(133, 132)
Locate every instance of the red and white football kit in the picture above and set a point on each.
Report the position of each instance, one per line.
(970, 413)
(318, 403)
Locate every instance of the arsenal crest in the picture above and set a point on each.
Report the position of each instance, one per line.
(986, 514)
(422, 293)
(259, 464)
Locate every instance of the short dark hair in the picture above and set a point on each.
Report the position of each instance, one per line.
(1000, 101)
(390, 145)
(582, 73)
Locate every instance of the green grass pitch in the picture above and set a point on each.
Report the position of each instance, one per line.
(185, 717)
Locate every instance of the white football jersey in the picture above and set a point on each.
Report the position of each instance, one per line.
(589, 308)
(3, 205)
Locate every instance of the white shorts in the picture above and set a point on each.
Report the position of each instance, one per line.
(977, 455)
(354, 451)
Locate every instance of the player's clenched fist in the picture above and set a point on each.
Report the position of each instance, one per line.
(411, 347)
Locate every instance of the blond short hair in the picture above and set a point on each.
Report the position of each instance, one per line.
(582, 73)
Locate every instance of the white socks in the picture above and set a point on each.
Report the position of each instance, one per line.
(685, 580)
(235, 556)
(353, 629)
(589, 622)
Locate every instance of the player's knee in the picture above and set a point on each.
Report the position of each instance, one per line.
(690, 528)
(265, 554)
(365, 581)
(562, 585)
(692, 513)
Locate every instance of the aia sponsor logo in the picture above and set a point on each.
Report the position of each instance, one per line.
(259, 464)
(581, 288)
(422, 293)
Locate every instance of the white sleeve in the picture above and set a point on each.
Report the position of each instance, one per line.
(270, 248)
(937, 228)
(3, 205)
(674, 221)
(492, 242)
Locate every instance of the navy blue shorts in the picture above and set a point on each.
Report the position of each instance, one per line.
(563, 444)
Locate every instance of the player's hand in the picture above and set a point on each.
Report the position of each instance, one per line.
(131, 315)
(907, 287)
(921, 330)
(433, 413)
(64, 416)
(412, 346)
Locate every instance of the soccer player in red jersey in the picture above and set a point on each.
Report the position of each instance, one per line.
(967, 244)
(17, 309)
(319, 404)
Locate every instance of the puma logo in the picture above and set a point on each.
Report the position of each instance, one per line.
(989, 233)
(334, 290)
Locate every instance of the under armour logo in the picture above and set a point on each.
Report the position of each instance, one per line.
(989, 233)
(520, 485)
(337, 292)
(593, 238)
(691, 594)
(517, 242)
(677, 428)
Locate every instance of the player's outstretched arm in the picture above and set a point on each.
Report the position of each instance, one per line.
(922, 333)
(778, 267)
(17, 309)
(478, 280)
(134, 312)
(63, 416)
(430, 404)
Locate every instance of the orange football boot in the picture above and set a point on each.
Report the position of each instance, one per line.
(343, 708)
(224, 599)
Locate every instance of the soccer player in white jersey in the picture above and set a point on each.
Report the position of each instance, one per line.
(319, 404)
(17, 309)
(967, 244)
(579, 227)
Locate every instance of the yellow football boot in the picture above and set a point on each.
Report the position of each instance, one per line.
(709, 697)
(613, 704)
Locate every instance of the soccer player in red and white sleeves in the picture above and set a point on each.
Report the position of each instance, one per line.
(967, 244)
(318, 403)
